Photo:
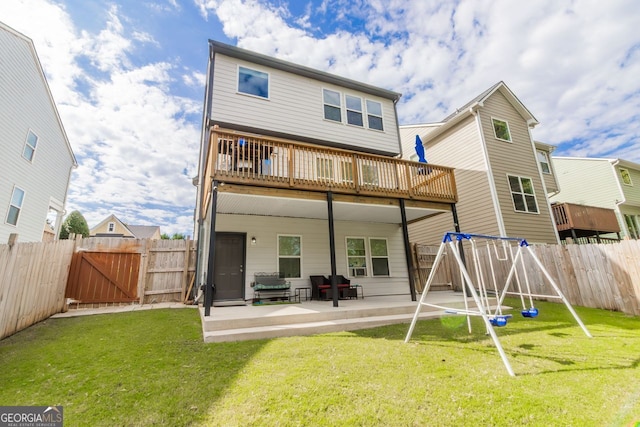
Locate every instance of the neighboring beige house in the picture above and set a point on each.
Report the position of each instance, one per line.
(502, 175)
(605, 183)
(36, 159)
(111, 226)
(299, 173)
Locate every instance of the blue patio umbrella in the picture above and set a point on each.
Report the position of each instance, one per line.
(420, 150)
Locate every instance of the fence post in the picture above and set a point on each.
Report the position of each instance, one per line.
(13, 238)
(185, 273)
(144, 265)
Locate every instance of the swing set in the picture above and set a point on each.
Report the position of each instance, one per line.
(499, 251)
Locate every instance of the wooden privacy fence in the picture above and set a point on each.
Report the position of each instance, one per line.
(108, 271)
(33, 277)
(603, 276)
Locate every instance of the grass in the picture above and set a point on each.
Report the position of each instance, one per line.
(152, 368)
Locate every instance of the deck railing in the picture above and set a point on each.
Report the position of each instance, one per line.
(248, 159)
(578, 217)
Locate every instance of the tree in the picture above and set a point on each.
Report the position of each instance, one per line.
(74, 223)
(165, 236)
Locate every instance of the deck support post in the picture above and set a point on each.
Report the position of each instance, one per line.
(209, 286)
(332, 249)
(407, 250)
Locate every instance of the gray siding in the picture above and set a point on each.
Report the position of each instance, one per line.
(515, 158)
(295, 107)
(315, 249)
(631, 192)
(25, 105)
(460, 148)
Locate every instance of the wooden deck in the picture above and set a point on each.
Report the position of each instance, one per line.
(240, 158)
(576, 221)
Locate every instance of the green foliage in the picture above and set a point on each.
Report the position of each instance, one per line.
(74, 223)
(174, 236)
(165, 236)
(152, 368)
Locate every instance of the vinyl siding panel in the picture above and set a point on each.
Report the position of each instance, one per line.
(460, 148)
(590, 182)
(515, 158)
(296, 107)
(25, 105)
(315, 249)
(631, 192)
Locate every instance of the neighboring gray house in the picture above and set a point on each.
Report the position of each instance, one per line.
(299, 174)
(502, 175)
(111, 226)
(36, 160)
(605, 183)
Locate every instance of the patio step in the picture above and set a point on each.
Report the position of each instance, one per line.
(246, 323)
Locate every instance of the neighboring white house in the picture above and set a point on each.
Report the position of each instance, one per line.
(605, 183)
(299, 174)
(36, 160)
(502, 175)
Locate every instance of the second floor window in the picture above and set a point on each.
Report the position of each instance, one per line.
(522, 194)
(30, 146)
(15, 206)
(111, 227)
(501, 130)
(374, 115)
(626, 177)
(543, 160)
(253, 82)
(332, 105)
(354, 110)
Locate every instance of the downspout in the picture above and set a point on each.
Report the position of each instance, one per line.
(544, 186)
(492, 185)
(619, 202)
(73, 166)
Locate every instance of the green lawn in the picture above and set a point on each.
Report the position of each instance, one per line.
(152, 368)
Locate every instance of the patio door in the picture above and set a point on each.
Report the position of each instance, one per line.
(229, 268)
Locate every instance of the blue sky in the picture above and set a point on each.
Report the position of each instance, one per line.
(128, 76)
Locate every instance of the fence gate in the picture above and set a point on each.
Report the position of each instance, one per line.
(103, 277)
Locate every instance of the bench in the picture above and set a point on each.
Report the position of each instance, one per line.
(270, 286)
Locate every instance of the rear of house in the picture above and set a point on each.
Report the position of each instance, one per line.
(299, 175)
(37, 159)
(501, 187)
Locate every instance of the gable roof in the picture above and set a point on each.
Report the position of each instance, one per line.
(34, 54)
(278, 64)
(613, 161)
(472, 106)
(144, 231)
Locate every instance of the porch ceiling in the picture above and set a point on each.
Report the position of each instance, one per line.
(316, 208)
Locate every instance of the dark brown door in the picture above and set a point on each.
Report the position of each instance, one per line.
(228, 275)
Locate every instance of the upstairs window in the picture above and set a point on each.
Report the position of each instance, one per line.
(15, 206)
(111, 227)
(290, 256)
(354, 110)
(501, 130)
(30, 146)
(626, 177)
(522, 194)
(332, 105)
(374, 115)
(543, 160)
(253, 82)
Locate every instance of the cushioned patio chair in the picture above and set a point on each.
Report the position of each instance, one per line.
(319, 286)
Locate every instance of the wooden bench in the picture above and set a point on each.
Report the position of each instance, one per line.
(271, 286)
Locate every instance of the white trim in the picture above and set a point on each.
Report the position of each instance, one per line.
(388, 257)
(544, 185)
(366, 258)
(622, 178)
(492, 184)
(239, 92)
(331, 105)
(24, 195)
(548, 162)
(374, 115)
(299, 257)
(520, 178)
(26, 142)
(347, 109)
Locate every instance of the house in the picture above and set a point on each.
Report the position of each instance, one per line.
(299, 174)
(37, 159)
(604, 183)
(502, 175)
(111, 226)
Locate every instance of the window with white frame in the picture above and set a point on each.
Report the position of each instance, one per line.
(332, 105)
(356, 256)
(30, 146)
(543, 160)
(111, 227)
(522, 194)
(626, 176)
(253, 82)
(290, 256)
(324, 168)
(15, 206)
(501, 130)
(354, 110)
(379, 256)
(633, 225)
(374, 115)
